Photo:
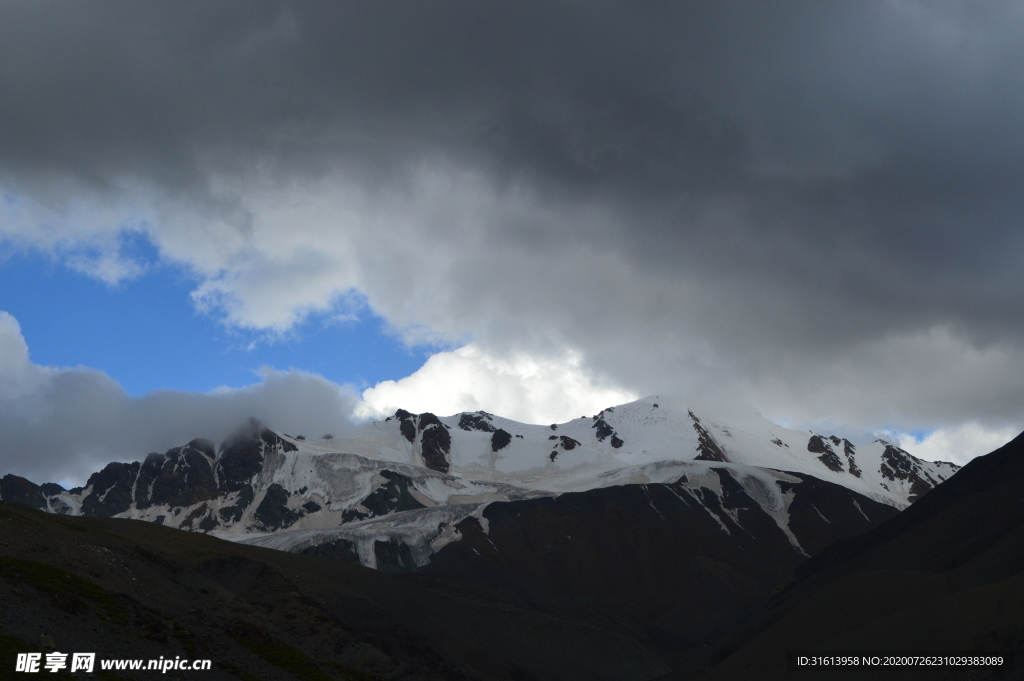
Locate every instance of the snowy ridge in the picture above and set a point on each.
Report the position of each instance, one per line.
(569, 456)
(408, 479)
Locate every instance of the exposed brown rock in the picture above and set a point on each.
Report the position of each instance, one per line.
(898, 464)
(706, 445)
(816, 445)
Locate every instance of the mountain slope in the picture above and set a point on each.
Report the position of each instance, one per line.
(684, 557)
(689, 556)
(127, 589)
(946, 574)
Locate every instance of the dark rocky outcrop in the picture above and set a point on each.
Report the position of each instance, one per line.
(181, 477)
(408, 430)
(816, 445)
(22, 492)
(196, 514)
(111, 489)
(477, 421)
(351, 515)
(51, 489)
(435, 441)
(208, 523)
(898, 464)
(406, 424)
(849, 450)
(500, 439)
(706, 446)
(273, 512)
(603, 429)
(391, 496)
(243, 500)
(568, 443)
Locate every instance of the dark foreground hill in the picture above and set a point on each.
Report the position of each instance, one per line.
(618, 583)
(947, 574)
(683, 558)
(130, 589)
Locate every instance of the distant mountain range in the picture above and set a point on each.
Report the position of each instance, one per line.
(534, 509)
(406, 482)
(650, 538)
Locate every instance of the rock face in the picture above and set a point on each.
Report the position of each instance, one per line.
(603, 430)
(273, 512)
(899, 465)
(433, 436)
(407, 424)
(481, 421)
(706, 445)
(500, 439)
(394, 493)
(435, 442)
(21, 492)
(242, 455)
(182, 476)
(111, 489)
(816, 445)
(193, 487)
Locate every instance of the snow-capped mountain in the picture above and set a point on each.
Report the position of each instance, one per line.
(410, 479)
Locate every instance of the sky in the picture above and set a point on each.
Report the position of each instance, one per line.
(314, 213)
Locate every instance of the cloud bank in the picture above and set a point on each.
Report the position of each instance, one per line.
(63, 424)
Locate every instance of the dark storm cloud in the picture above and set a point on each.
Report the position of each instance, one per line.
(783, 187)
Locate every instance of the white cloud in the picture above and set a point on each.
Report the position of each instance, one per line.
(87, 234)
(527, 388)
(61, 424)
(957, 443)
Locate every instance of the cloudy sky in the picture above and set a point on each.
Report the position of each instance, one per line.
(315, 212)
